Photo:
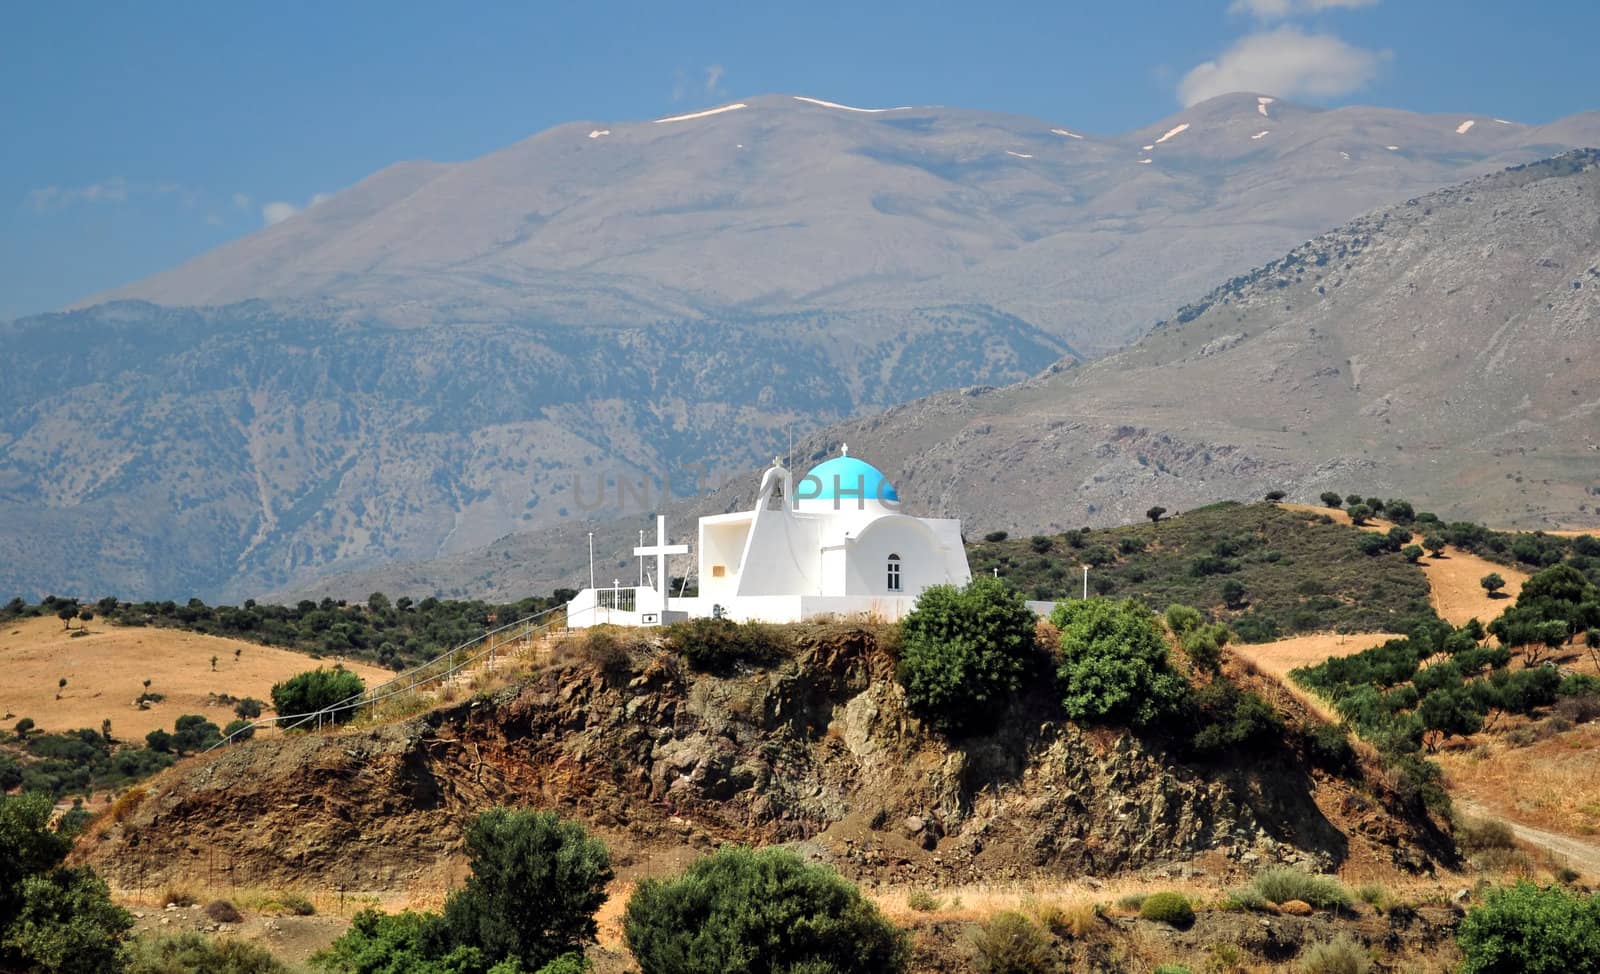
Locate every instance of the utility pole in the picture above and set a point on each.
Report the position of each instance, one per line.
(1086, 583)
(641, 558)
(591, 560)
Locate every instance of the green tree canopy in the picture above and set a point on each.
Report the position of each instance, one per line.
(759, 912)
(315, 689)
(1114, 663)
(964, 652)
(537, 882)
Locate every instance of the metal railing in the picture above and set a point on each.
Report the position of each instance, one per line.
(437, 670)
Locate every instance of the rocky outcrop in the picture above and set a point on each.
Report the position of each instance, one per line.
(817, 748)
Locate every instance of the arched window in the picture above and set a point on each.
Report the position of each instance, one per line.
(894, 573)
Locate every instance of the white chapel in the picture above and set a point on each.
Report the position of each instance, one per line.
(834, 542)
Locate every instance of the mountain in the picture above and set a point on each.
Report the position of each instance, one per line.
(1438, 350)
(446, 353)
(781, 203)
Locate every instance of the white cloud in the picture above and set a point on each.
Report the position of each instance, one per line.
(113, 190)
(241, 201)
(277, 212)
(1286, 62)
(1279, 9)
(714, 75)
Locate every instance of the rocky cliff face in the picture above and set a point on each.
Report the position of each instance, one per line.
(817, 749)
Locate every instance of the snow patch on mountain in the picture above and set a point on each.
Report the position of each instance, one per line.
(1466, 126)
(1019, 155)
(1260, 135)
(710, 111)
(1070, 135)
(1262, 101)
(1175, 130)
(599, 132)
(849, 108)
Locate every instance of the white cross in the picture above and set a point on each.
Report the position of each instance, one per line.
(661, 550)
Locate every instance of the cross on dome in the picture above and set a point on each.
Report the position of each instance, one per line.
(844, 449)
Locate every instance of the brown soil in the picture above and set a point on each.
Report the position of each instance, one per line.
(106, 670)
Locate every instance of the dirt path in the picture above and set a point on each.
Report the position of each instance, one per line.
(1453, 580)
(1578, 854)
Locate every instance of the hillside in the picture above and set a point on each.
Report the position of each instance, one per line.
(448, 353)
(105, 672)
(814, 747)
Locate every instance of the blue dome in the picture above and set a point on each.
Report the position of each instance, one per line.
(847, 478)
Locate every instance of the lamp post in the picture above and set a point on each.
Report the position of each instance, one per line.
(1086, 583)
(591, 561)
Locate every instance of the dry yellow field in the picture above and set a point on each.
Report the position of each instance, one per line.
(106, 670)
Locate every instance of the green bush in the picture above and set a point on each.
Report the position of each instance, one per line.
(1170, 908)
(1010, 943)
(1341, 955)
(964, 652)
(528, 905)
(194, 953)
(1280, 884)
(53, 919)
(1479, 834)
(315, 689)
(759, 911)
(1527, 929)
(1172, 969)
(537, 882)
(1114, 664)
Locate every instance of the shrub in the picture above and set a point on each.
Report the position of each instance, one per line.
(1174, 968)
(1479, 834)
(241, 727)
(248, 709)
(1010, 943)
(964, 652)
(1332, 498)
(223, 912)
(1114, 663)
(995, 537)
(715, 645)
(1040, 544)
(1230, 718)
(1341, 955)
(316, 689)
(923, 901)
(178, 896)
(766, 910)
(1527, 929)
(537, 882)
(194, 953)
(1170, 908)
(53, 918)
(1279, 884)
(294, 904)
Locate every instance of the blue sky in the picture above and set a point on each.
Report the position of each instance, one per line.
(138, 135)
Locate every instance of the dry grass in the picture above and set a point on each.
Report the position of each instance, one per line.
(106, 669)
(1550, 784)
(1278, 658)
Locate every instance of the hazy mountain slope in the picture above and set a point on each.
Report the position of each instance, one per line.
(179, 452)
(786, 204)
(1439, 349)
(1442, 350)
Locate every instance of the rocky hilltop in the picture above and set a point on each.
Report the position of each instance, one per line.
(816, 748)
